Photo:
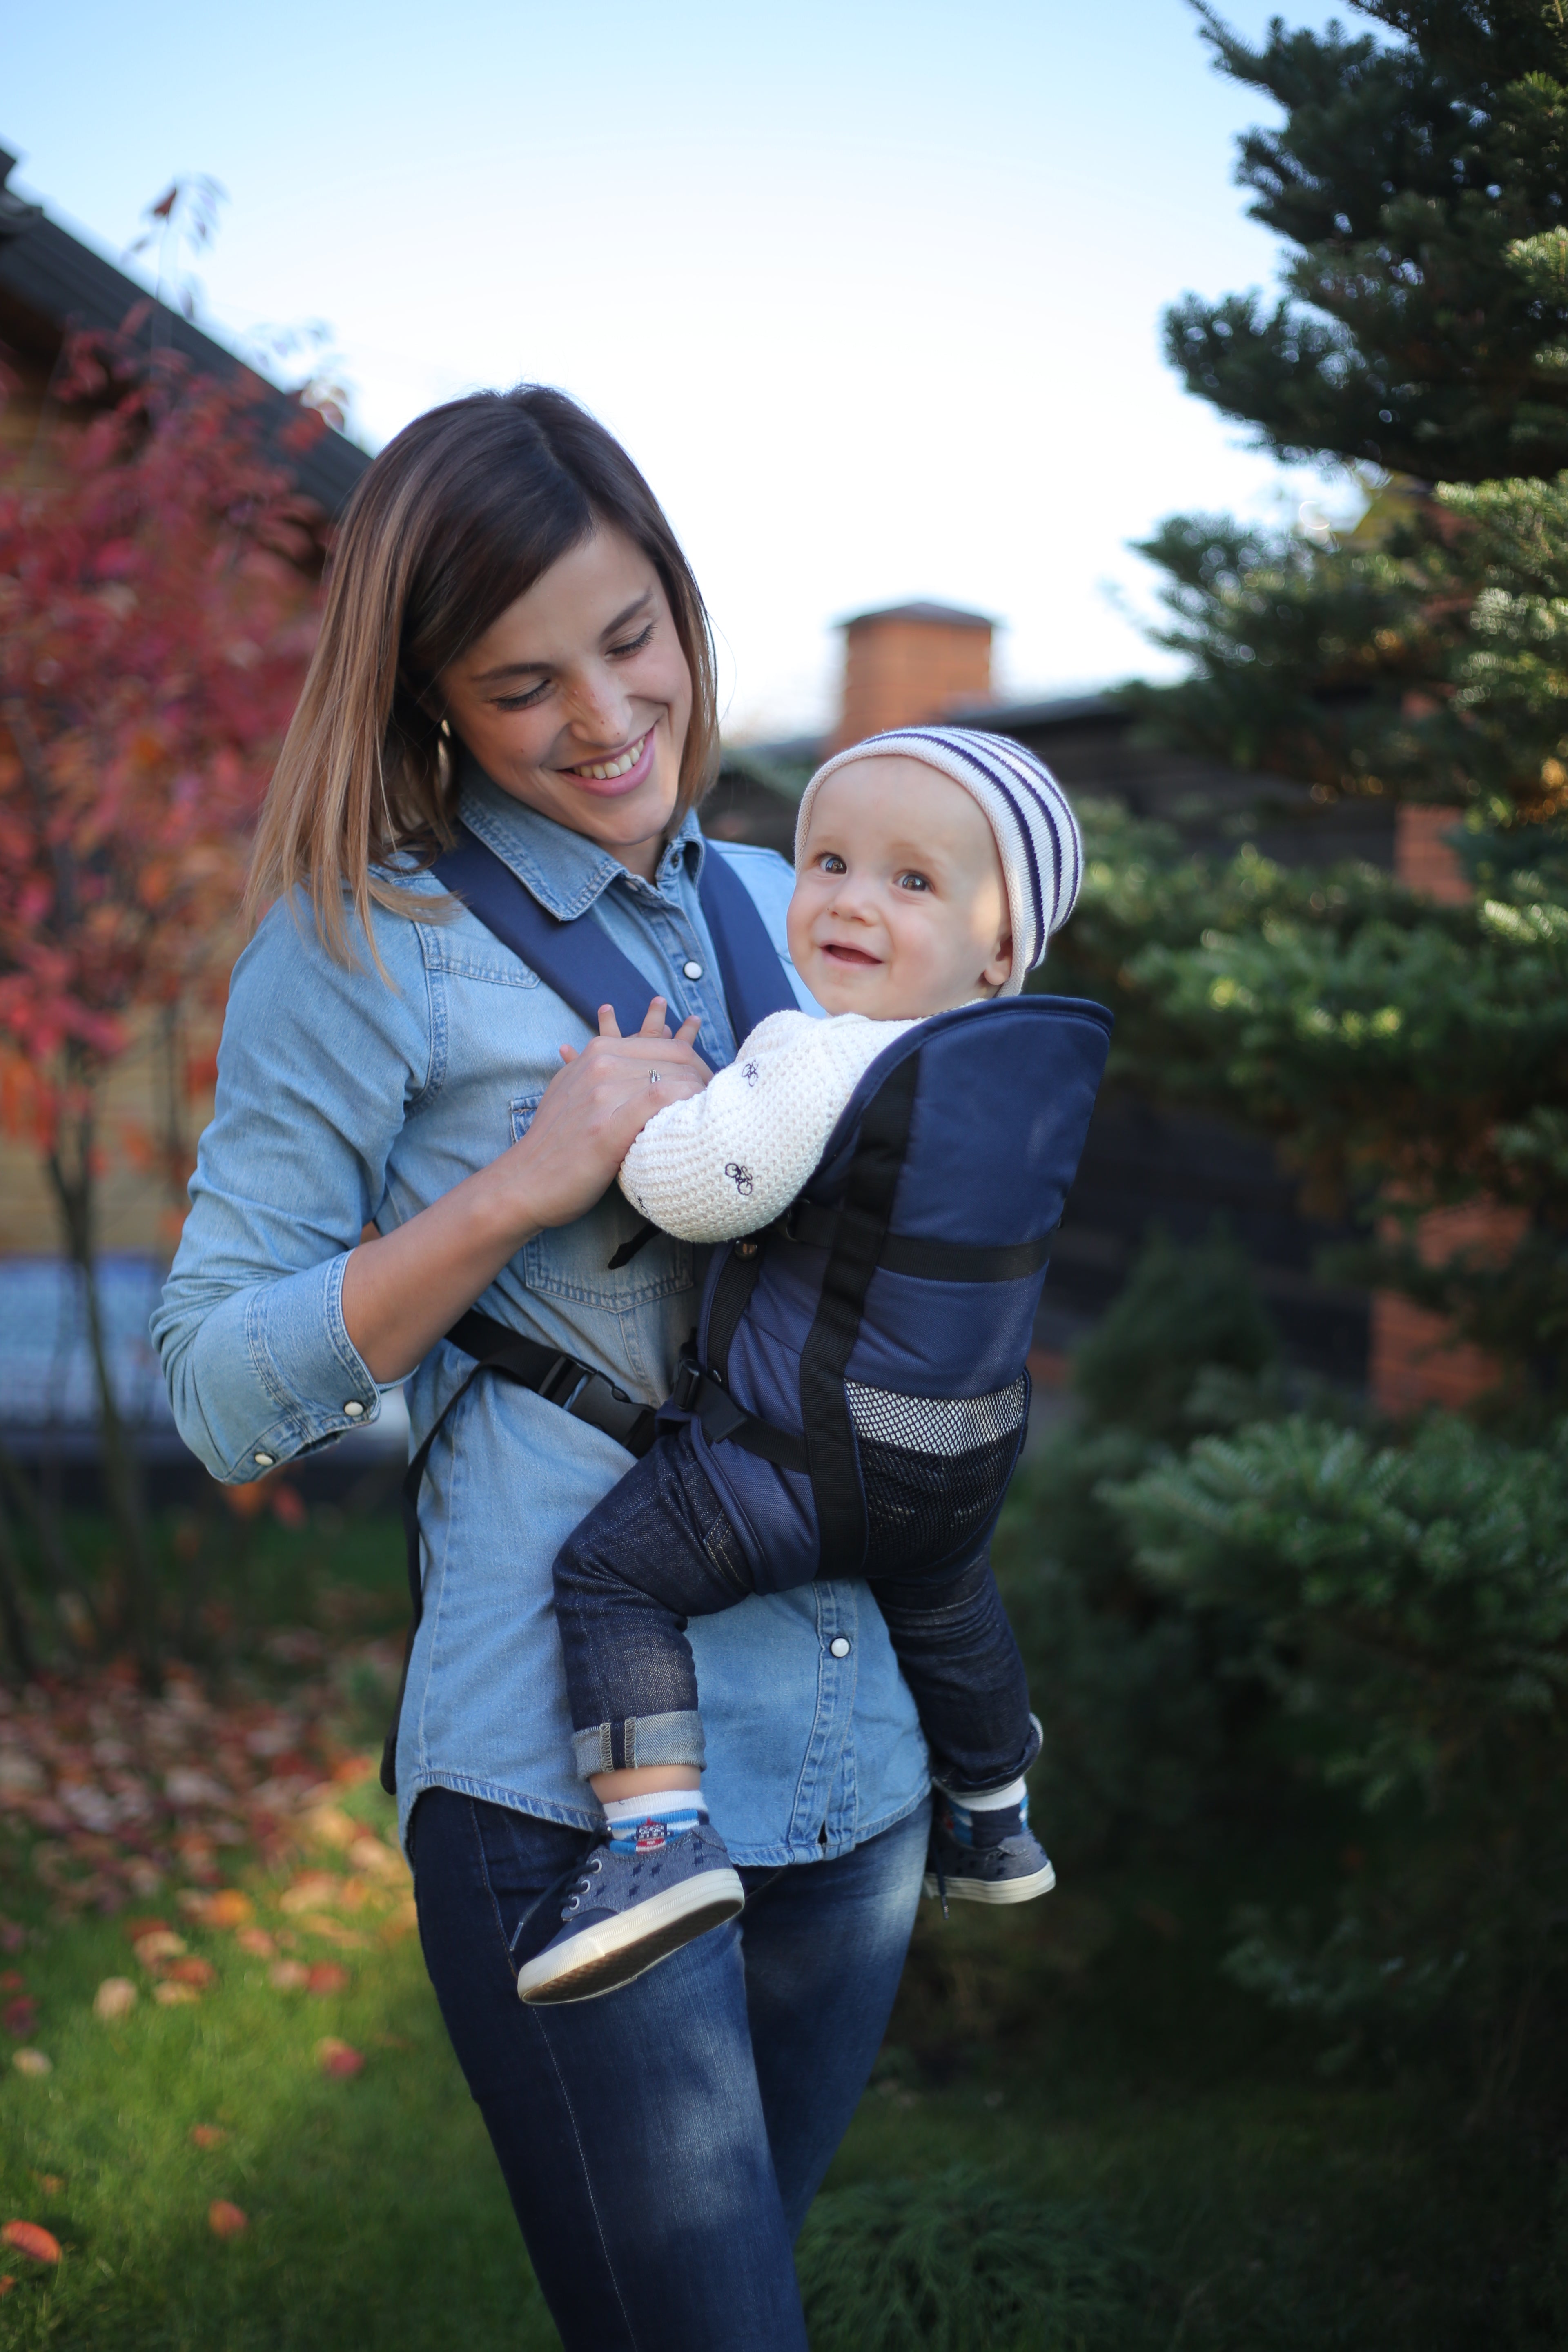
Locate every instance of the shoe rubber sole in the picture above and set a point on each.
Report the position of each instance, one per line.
(601, 1958)
(994, 1890)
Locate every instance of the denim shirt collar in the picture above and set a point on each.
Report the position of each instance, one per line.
(564, 871)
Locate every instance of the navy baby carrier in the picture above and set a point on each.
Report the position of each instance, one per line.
(857, 1385)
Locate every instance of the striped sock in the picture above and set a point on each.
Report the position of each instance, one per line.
(985, 1818)
(642, 1824)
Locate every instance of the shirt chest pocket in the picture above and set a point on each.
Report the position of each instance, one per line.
(573, 1261)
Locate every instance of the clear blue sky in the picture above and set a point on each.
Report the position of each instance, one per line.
(870, 290)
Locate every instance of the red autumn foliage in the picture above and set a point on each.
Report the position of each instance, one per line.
(154, 625)
(326, 1977)
(226, 2220)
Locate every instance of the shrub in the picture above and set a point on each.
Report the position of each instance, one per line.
(958, 2264)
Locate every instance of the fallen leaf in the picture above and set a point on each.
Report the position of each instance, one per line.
(51, 2183)
(32, 2062)
(12, 1981)
(27, 2238)
(174, 1996)
(310, 1890)
(331, 1825)
(134, 1929)
(159, 1945)
(369, 1853)
(256, 1942)
(403, 1921)
(193, 1971)
(19, 2016)
(335, 2057)
(208, 2135)
(228, 1908)
(115, 1997)
(184, 1786)
(333, 1931)
(226, 2220)
(288, 1976)
(7, 2283)
(326, 1977)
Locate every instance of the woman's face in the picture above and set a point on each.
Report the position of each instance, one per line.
(577, 699)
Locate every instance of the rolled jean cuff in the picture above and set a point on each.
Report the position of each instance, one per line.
(640, 1740)
(951, 1784)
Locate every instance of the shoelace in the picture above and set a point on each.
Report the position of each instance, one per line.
(591, 1870)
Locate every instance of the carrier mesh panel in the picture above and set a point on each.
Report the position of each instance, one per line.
(934, 1471)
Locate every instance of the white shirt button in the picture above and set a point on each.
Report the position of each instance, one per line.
(839, 1649)
(354, 1408)
(692, 971)
(264, 1461)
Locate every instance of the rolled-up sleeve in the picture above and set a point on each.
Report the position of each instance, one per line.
(318, 1070)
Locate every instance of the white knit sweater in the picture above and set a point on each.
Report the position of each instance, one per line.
(733, 1158)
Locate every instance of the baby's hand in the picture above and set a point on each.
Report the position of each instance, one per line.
(654, 1025)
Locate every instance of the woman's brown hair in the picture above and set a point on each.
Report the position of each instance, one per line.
(457, 519)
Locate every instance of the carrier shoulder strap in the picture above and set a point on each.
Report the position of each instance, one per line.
(578, 958)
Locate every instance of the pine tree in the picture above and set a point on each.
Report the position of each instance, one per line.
(1403, 171)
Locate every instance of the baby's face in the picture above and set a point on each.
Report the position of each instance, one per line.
(899, 908)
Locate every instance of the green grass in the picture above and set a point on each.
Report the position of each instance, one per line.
(1219, 2194)
(1079, 2137)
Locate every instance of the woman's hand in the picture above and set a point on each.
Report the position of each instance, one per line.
(404, 1289)
(594, 1109)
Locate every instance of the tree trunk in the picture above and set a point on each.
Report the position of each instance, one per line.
(53, 1551)
(72, 1175)
(12, 1616)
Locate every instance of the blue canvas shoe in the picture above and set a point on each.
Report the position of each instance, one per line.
(624, 1913)
(1014, 1870)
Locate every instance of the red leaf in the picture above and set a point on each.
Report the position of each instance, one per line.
(226, 2220)
(27, 2238)
(335, 2057)
(326, 1977)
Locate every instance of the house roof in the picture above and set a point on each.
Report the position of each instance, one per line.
(946, 616)
(50, 283)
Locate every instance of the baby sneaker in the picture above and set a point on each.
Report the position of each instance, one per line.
(628, 1908)
(984, 1851)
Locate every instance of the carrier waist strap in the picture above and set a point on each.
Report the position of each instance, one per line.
(561, 1381)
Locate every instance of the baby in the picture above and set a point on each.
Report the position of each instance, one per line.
(932, 866)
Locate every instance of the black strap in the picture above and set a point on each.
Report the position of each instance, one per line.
(561, 1381)
(859, 1237)
(928, 1261)
(582, 963)
(725, 1423)
(577, 959)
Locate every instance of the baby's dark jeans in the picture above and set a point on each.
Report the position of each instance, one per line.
(659, 1550)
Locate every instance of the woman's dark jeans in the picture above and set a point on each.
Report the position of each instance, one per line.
(663, 2143)
(660, 1548)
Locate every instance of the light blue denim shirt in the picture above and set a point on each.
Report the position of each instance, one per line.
(343, 1099)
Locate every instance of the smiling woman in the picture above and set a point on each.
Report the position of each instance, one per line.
(514, 656)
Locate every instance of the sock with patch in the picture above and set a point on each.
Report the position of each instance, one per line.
(984, 1818)
(642, 1824)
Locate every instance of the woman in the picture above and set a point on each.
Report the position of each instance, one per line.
(513, 639)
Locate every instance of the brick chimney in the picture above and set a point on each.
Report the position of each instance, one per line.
(910, 663)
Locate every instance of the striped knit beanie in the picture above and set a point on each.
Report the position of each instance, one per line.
(1035, 831)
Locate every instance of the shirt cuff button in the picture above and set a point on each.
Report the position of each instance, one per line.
(354, 1408)
(839, 1649)
(264, 1461)
(692, 971)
